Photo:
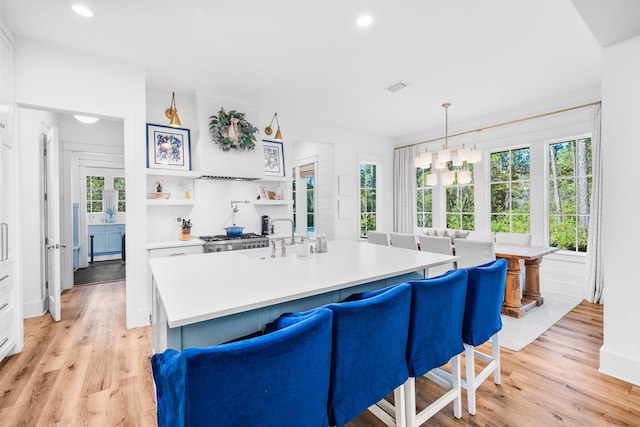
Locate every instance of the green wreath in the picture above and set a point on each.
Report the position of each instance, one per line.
(232, 130)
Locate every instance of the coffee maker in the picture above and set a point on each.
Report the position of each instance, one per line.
(266, 221)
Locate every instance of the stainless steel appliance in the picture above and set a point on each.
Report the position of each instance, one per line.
(223, 243)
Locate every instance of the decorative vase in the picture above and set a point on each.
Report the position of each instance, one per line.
(159, 188)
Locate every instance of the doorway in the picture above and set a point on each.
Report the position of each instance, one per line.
(81, 145)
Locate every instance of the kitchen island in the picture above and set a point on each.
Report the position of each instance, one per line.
(206, 299)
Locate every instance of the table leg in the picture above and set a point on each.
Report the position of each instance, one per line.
(512, 305)
(532, 283)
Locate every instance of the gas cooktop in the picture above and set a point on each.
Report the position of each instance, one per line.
(224, 237)
(223, 243)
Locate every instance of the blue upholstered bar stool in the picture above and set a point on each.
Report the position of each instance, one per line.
(482, 322)
(435, 338)
(369, 351)
(277, 379)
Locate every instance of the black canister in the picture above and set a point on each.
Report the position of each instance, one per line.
(265, 225)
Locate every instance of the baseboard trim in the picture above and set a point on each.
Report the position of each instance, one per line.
(619, 366)
(33, 309)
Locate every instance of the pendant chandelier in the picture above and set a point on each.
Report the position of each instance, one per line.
(446, 163)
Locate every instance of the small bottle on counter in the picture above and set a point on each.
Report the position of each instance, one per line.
(321, 243)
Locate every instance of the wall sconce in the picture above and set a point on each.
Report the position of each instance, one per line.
(172, 113)
(269, 131)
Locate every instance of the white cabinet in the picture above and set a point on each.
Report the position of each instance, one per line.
(8, 321)
(196, 248)
(168, 249)
(10, 306)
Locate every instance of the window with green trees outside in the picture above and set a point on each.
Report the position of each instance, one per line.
(460, 204)
(510, 194)
(118, 184)
(368, 201)
(569, 194)
(95, 187)
(424, 199)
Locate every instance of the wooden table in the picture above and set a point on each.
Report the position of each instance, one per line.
(515, 303)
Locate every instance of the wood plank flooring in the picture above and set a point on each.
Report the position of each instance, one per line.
(88, 370)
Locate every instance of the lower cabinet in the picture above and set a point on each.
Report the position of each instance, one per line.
(159, 251)
(8, 320)
(107, 239)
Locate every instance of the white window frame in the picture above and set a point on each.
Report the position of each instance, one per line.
(546, 186)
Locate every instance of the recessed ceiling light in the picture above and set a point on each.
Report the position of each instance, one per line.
(86, 119)
(364, 21)
(82, 10)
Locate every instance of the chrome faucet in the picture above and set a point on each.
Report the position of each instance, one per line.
(293, 239)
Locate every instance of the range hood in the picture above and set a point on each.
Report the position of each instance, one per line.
(233, 165)
(227, 178)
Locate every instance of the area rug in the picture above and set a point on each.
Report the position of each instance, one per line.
(516, 334)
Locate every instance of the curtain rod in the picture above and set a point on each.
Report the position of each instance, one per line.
(537, 116)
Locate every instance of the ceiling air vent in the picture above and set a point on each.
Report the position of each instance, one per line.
(397, 86)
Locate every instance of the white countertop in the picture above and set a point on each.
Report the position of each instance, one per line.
(206, 286)
(175, 243)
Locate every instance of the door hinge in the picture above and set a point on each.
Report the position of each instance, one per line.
(45, 197)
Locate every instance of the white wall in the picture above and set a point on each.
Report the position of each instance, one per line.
(325, 182)
(620, 353)
(51, 78)
(212, 211)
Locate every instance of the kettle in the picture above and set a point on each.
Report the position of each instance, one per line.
(265, 225)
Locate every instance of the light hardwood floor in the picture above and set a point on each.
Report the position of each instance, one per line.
(89, 370)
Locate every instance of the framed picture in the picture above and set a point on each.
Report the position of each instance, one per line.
(168, 148)
(273, 158)
(263, 192)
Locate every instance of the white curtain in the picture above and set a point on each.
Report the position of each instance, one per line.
(594, 264)
(404, 191)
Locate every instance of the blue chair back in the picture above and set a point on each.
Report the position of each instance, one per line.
(369, 350)
(485, 295)
(277, 379)
(435, 328)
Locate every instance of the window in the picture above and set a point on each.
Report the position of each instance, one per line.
(311, 196)
(510, 183)
(460, 205)
(368, 196)
(569, 194)
(118, 184)
(95, 187)
(424, 199)
(293, 196)
(304, 186)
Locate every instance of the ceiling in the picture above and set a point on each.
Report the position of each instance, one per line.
(310, 60)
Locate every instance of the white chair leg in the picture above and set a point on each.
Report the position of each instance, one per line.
(399, 399)
(410, 401)
(456, 385)
(470, 378)
(392, 415)
(495, 350)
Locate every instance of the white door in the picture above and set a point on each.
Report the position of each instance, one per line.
(53, 246)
